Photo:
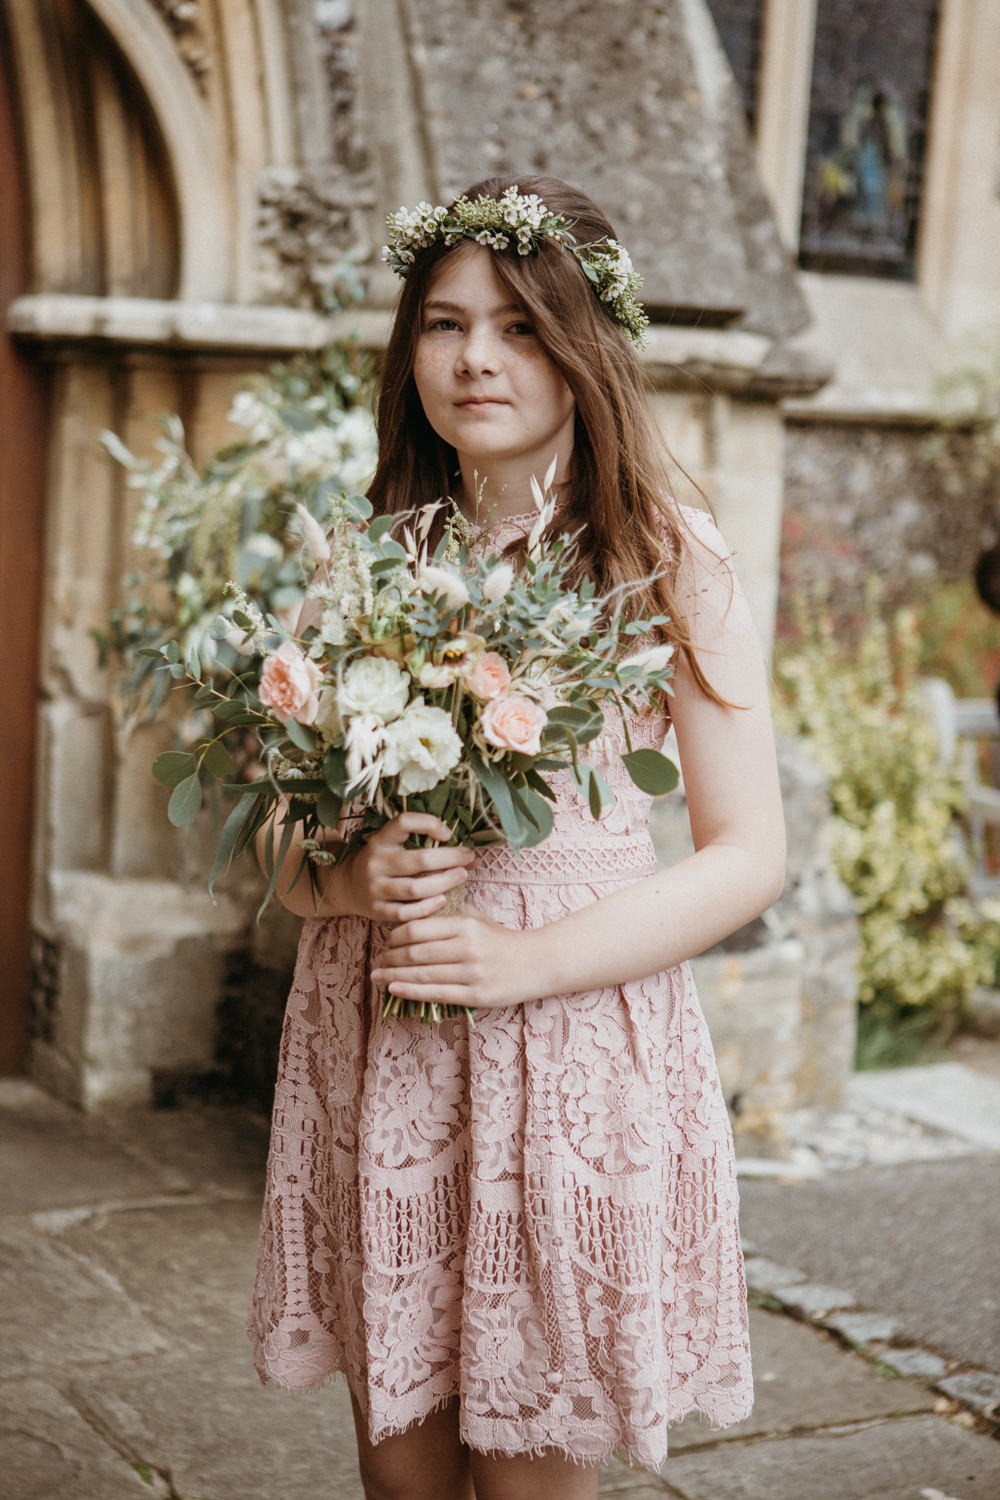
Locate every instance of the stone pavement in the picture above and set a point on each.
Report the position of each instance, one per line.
(126, 1251)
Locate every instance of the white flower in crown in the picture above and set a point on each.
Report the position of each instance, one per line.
(524, 219)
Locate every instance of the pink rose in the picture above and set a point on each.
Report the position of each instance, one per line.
(289, 683)
(487, 676)
(514, 723)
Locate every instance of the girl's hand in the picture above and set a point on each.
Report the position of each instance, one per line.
(465, 960)
(386, 882)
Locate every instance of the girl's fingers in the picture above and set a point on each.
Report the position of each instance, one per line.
(399, 829)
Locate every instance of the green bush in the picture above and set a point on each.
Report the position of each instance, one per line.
(857, 702)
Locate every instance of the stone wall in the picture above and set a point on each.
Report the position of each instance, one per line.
(862, 499)
(780, 996)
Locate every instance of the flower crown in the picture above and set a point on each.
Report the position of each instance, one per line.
(521, 220)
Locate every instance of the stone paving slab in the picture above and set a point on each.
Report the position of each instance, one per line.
(207, 1424)
(948, 1096)
(912, 1458)
(917, 1244)
(50, 1453)
(188, 1266)
(59, 1310)
(803, 1379)
(51, 1156)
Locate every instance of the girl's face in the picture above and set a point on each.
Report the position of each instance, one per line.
(486, 384)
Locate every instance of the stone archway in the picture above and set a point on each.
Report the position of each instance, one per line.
(141, 140)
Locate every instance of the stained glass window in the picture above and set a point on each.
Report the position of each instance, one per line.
(867, 127)
(739, 24)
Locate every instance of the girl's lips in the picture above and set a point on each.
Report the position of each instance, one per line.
(476, 401)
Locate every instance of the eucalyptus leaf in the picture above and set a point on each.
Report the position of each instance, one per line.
(498, 789)
(599, 794)
(232, 828)
(536, 811)
(185, 801)
(328, 808)
(217, 760)
(174, 766)
(380, 527)
(651, 771)
(300, 735)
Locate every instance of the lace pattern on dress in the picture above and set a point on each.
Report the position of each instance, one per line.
(537, 1215)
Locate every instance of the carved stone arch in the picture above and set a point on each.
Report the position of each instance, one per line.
(196, 161)
(127, 191)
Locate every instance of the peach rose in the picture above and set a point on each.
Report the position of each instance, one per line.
(513, 723)
(288, 684)
(488, 676)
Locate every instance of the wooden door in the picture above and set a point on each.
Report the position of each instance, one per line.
(22, 476)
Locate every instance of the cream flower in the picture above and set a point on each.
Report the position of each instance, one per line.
(420, 748)
(313, 535)
(652, 659)
(374, 685)
(445, 582)
(496, 584)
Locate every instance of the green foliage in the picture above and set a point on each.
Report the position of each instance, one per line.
(959, 638)
(204, 535)
(858, 704)
(964, 447)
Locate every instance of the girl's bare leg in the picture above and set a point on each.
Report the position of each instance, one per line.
(427, 1462)
(550, 1476)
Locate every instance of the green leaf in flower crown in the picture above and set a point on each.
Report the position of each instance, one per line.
(217, 760)
(651, 771)
(185, 802)
(173, 767)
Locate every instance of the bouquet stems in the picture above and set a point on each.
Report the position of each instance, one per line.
(430, 1010)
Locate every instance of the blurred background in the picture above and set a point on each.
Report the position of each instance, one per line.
(191, 307)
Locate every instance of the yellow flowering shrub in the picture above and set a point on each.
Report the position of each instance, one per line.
(858, 704)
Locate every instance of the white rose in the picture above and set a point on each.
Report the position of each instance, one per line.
(444, 582)
(420, 748)
(497, 582)
(374, 685)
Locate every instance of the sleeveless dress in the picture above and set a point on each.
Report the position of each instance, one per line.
(537, 1215)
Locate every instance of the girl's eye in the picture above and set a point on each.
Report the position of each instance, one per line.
(523, 330)
(440, 325)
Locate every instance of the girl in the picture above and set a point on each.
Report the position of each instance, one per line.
(519, 1241)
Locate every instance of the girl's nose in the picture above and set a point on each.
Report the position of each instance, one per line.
(479, 353)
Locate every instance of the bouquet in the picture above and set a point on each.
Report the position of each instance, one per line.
(446, 681)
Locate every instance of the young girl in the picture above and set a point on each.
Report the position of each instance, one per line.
(518, 1241)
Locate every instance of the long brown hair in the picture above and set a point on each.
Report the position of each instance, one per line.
(618, 498)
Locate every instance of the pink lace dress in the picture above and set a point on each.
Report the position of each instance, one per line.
(538, 1215)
